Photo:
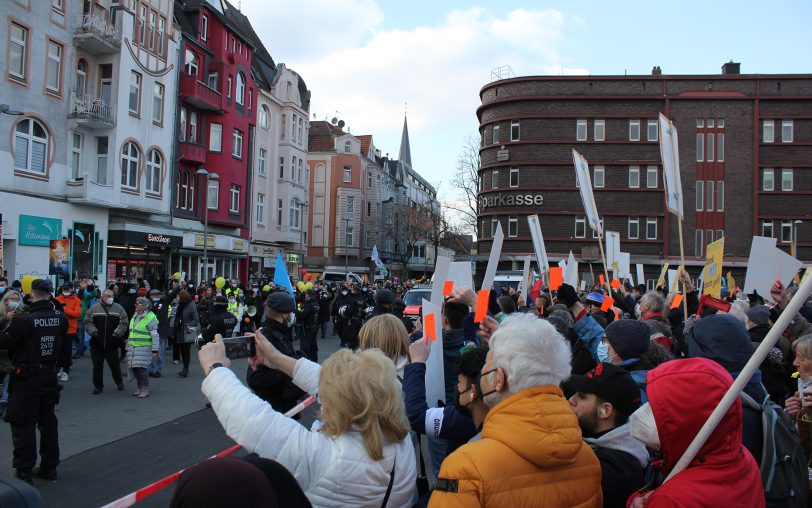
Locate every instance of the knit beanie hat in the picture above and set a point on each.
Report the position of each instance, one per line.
(629, 338)
(760, 314)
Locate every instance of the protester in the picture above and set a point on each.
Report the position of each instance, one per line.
(106, 322)
(185, 321)
(531, 449)
(799, 406)
(72, 307)
(652, 309)
(361, 456)
(161, 310)
(11, 306)
(142, 344)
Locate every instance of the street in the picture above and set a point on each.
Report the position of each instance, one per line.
(112, 444)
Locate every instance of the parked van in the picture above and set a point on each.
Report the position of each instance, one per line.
(341, 277)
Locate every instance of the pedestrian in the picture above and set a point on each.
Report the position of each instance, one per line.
(161, 310)
(106, 322)
(11, 306)
(143, 344)
(308, 317)
(35, 340)
(324, 308)
(72, 307)
(185, 321)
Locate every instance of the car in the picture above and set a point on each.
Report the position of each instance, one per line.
(414, 302)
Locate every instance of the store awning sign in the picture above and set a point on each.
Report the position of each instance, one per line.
(39, 231)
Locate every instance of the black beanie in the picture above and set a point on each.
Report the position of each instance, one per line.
(629, 338)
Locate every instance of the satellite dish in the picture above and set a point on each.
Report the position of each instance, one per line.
(340, 124)
(334, 121)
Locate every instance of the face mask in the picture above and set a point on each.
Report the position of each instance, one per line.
(603, 353)
(232, 301)
(13, 304)
(644, 427)
(2, 290)
(132, 291)
(66, 293)
(156, 300)
(290, 321)
(108, 301)
(344, 293)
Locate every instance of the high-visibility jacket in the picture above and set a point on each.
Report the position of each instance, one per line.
(139, 334)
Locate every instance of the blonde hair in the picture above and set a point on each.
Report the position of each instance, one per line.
(387, 333)
(359, 391)
(8, 295)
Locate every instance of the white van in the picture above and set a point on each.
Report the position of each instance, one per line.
(341, 277)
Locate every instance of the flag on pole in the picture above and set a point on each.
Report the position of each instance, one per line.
(587, 197)
(280, 274)
(669, 151)
(377, 260)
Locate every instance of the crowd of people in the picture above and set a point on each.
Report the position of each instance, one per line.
(554, 399)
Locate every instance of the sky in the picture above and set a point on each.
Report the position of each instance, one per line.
(368, 62)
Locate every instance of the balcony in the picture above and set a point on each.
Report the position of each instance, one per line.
(97, 36)
(91, 112)
(199, 95)
(87, 192)
(192, 152)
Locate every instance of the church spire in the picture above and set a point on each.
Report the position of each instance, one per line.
(405, 154)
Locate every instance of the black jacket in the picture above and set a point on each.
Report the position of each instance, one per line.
(220, 321)
(107, 326)
(271, 385)
(309, 315)
(621, 475)
(35, 339)
(161, 311)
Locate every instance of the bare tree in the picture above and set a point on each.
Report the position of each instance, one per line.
(466, 181)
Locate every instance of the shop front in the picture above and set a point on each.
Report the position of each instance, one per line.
(225, 256)
(133, 255)
(263, 261)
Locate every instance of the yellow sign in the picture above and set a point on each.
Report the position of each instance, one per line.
(239, 245)
(713, 268)
(663, 273)
(199, 241)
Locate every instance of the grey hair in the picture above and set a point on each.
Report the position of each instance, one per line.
(654, 301)
(804, 345)
(738, 311)
(145, 301)
(531, 352)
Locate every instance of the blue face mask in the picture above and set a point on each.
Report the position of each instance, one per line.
(603, 352)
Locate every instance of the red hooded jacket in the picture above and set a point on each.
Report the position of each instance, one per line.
(682, 394)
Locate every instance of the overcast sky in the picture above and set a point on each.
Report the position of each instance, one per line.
(365, 58)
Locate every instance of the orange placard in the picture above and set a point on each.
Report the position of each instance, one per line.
(556, 278)
(448, 287)
(600, 278)
(615, 283)
(607, 303)
(676, 301)
(482, 297)
(428, 327)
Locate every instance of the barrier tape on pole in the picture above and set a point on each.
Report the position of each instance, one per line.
(153, 488)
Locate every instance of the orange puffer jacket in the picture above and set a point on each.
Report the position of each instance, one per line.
(531, 454)
(72, 307)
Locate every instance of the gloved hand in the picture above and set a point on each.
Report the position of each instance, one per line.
(567, 295)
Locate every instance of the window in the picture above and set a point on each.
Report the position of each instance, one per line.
(700, 195)
(651, 177)
(150, 43)
(184, 198)
(634, 177)
(720, 147)
(142, 25)
(212, 80)
(135, 93)
(634, 228)
(234, 202)
(369, 180)
(263, 155)
(228, 87)
(204, 27)
(348, 173)
(191, 63)
(213, 194)
(81, 78)
(30, 146)
(767, 228)
(710, 148)
(129, 165)
(495, 138)
(651, 228)
(279, 212)
(494, 179)
(786, 131)
(514, 176)
(580, 227)
(350, 204)
(158, 103)
(101, 160)
(599, 177)
(301, 161)
(239, 92)
(720, 233)
(301, 130)
(710, 123)
(514, 130)
(154, 166)
(700, 147)
(347, 147)
(182, 133)
(18, 57)
(513, 225)
(281, 168)
(699, 243)
(161, 32)
(53, 68)
(600, 130)
(293, 168)
(709, 237)
(348, 240)
(236, 149)
(709, 196)
(720, 196)
(768, 179)
(193, 127)
(634, 130)
(264, 117)
(106, 82)
(595, 233)
(786, 179)
(369, 208)
(76, 156)
(768, 131)
(494, 225)
(260, 209)
(580, 130)
(652, 133)
(720, 123)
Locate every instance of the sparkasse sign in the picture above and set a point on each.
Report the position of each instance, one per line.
(500, 200)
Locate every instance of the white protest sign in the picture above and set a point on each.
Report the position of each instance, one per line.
(624, 260)
(571, 271)
(435, 371)
(587, 197)
(538, 243)
(493, 259)
(525, 275)
(672, 280)
(440, 274)
(613, 250)
(641, 276)
(583, 285)
(460, 273)
(669, 151)
(766, 264)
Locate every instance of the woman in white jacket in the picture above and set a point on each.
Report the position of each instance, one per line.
(360, 456)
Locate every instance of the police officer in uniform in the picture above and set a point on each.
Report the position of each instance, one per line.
(34, 341)
(384, 299)
(342, 298)
(353, 314)
(220, 321)
(309, 318)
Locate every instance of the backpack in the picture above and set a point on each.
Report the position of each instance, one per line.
(784, 473)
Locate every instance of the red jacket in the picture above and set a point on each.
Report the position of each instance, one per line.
(72, 307)
(723, 472)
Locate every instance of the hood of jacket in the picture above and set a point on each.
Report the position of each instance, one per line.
(454, 339)
(620, 439)
(721, 338)
(537, 424)
(680, 411)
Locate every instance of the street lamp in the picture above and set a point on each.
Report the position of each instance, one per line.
(207, 176)
(5, 108)
(302, 206)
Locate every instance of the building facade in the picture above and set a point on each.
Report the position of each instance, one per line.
(745, 146)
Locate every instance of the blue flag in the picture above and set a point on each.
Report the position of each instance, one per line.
(280, 274)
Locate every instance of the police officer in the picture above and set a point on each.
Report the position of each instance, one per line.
(398, 307)
(34, 340)
(384, 299)
(353, 314)
(220, 321)
(343, 298)
(309, 319)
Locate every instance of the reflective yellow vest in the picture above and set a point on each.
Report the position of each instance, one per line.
(233, 308)
(139, 334)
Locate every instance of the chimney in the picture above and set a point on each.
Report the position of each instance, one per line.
(731, 68)
(656, 71)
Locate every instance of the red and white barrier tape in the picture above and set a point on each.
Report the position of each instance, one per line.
(153, 488)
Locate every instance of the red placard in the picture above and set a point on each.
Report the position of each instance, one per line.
(482, 298)
(607, 303)
(428, 327)
(676, 301)
(556, 278)
(448, 287)
(615, 283)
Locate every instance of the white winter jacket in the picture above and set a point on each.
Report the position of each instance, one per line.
(331, 471)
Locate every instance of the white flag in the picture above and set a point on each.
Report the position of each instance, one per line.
(587, 197)
(493, 259)
(669, 151)
(538, 243)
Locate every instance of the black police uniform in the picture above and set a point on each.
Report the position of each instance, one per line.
(340, 301)
(220, 321)
(309, 319)
(271, 385)
(34, 341)
(353, 319)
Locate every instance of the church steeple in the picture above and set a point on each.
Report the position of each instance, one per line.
(405, 154)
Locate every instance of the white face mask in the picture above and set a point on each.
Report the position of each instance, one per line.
(644, 428)
(108, 301)
(66, 293)
(13, 304)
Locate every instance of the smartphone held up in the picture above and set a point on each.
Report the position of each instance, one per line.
(236, 347)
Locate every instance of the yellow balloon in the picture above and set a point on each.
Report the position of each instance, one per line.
(219, 283)
(266, 288)
(300, 285)
(176, 276)
(26, 282)
(309, 285)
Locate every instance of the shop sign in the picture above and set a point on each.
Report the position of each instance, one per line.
(263, 251)
(39, 231)
(502, 200)
(293, 258)
(159, 239)
(212, 241)
(238, 245)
